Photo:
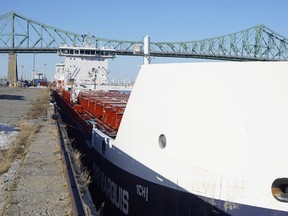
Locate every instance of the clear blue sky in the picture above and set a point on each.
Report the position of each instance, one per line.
(169, 20)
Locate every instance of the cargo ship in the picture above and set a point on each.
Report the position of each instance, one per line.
(207, 138)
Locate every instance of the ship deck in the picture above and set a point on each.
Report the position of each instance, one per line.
(104, 108)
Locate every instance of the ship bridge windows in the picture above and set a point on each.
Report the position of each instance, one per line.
(64, 51)
(93, 52)
(280, 189)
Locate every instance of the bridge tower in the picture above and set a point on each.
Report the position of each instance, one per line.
(12, 75)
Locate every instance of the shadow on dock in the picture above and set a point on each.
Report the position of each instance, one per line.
(11, 97)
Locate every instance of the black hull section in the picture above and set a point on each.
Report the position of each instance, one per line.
(117, 192)
(158, 200)
(145, 198)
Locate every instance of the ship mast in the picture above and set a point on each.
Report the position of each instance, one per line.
(147, 58)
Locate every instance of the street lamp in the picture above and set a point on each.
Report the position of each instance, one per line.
(45, 69)
(22, 73)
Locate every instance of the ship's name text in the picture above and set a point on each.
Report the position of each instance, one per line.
(116, 194)
(142, 191)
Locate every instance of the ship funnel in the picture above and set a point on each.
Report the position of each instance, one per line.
(146, 50)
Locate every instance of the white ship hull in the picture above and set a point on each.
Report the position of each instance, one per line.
(225, 126)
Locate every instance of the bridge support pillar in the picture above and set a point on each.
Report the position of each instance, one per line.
(12, 75)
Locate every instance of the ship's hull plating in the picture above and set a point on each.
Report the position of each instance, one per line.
(122, 193)
(239, 115)
(146, 198)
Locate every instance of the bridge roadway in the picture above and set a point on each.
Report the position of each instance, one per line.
(37, 184)
(20, 34)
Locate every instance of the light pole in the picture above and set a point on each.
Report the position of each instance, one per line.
(22, 73)
(45, 70)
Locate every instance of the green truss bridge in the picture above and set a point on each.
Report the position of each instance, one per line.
(19, 34)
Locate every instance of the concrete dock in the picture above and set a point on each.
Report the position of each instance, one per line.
(35, 185)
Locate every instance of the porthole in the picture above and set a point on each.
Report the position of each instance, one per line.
(103, 146)
(162, 141)
(280, 189)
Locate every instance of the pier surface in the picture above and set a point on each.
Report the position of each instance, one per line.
(15, 103)
(37, 184)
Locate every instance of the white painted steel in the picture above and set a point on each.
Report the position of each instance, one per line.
(225, 123)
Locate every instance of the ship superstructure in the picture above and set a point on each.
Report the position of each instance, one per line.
(85, 68)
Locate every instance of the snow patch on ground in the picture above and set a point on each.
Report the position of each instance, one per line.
(8, 134)
(6, 181)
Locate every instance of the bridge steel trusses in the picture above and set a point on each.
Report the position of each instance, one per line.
(20, 34)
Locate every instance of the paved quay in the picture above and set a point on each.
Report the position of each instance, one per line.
(15, 103)
(37, 186)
